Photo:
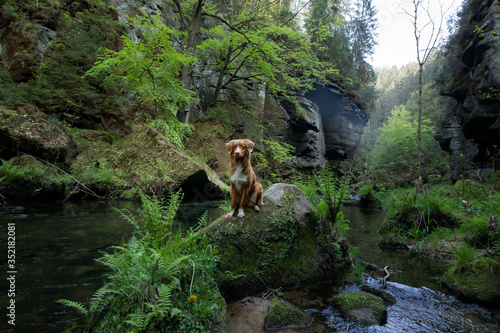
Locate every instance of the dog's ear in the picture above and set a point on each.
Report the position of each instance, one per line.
(230, 145)
(249, 144)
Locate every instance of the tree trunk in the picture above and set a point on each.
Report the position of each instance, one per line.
(419, 123)
(194, 38)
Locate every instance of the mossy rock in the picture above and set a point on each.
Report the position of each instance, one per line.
(274, 248)
(283, 314)
(361, 307)
(34, 133)
(384, 295)
(144, 160)
(480, 284)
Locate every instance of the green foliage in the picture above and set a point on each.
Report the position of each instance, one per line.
(460, 213)
(333, 190)
(219, 113)
(492, 36)
(102, 176)
(58, 85)
(159, 280)
(280, 152)
(150, 69)
(357, 274)
(173, 130)
(326, 193)
(248, 44)
(394, 157)
(33, 173)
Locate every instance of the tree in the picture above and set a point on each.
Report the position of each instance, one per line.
(363, 35)
(246, 42)
(149, 69)
(427, 29)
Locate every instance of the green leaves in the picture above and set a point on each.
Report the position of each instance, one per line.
(250, 44)
(149, 68)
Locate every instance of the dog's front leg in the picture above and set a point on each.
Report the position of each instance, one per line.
(234, 201)
(243, 201)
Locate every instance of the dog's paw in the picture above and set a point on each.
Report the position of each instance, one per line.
(256, 208)
(241, 213)
(229, 214)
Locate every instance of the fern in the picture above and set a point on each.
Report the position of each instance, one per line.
(152, 276)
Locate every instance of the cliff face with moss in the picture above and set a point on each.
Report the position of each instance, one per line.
(471, 127)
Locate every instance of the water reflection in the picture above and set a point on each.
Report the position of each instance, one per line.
(412, 271)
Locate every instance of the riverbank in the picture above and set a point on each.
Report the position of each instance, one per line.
(454, 223)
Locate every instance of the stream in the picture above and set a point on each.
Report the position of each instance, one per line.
(56, 246)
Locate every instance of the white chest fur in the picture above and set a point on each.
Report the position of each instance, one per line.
(238, 178)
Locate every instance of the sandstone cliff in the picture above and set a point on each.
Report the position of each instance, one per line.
(471, 127)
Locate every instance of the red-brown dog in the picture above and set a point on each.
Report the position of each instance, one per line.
(244, 188)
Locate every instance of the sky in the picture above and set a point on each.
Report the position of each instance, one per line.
(396, 40)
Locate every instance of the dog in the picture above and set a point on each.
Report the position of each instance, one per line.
(244, 188)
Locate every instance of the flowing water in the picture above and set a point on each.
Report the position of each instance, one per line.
(56, 246)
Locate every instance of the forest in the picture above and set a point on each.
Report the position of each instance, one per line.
(108, 100)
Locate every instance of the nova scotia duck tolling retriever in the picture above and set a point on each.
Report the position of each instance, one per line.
(244, 189)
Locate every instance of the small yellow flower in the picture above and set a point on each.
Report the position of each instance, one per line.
(124, 244)
(192, 298)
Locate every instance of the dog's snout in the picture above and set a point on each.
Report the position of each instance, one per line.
(238, 151)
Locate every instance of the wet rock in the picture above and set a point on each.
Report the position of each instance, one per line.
(361, 307)
(384, 295)
(283, 314)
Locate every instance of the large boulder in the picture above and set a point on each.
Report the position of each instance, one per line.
(146, 160)
(361, 307)
(30, 132)
(277, 247)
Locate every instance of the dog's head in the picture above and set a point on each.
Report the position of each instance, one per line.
(240, 148)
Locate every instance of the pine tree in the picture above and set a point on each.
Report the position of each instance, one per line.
(363, 36)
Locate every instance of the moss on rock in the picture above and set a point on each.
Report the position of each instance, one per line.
(143, 160)
(283, 314)
(480, 284)
(361, 307)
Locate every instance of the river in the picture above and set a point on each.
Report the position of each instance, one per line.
(56, 246)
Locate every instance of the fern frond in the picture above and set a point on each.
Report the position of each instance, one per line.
(137, 319)
(101, 297)
(75, 305)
